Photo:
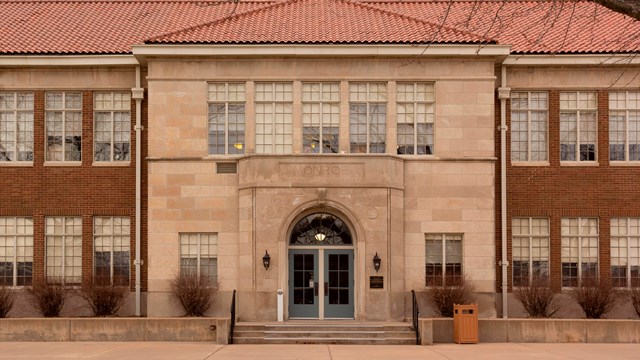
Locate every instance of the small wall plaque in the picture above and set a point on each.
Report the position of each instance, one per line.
(376, 282)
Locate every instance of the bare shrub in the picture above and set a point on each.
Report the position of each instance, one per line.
(537, 299)
(49, 296)
(193, 292)
(454, 291)
(6, 301)
(596, 298)
(634, 298)
(105, 299)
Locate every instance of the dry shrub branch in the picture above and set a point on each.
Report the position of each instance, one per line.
(193, 292)
(454, 291)
(537, 299)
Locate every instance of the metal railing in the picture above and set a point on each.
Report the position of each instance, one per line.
(232, 323)
(416, 313)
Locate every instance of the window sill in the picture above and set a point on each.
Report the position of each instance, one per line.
(624, 163)
(579, 163)
(63, 163)
(16, 163)
(111, 163)
(530, 163)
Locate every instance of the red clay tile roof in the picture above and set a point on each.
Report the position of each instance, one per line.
(320, 21)
(113, 26)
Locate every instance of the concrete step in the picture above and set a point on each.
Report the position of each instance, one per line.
(340, 341)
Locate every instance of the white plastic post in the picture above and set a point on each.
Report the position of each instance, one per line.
(280, 305)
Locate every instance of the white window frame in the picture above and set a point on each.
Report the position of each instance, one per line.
(198, 255)
(529, 109)
(18, 113)
(64, 110)
(64, 235)
(428, 102)
(530, 236)
(631, 260)
(324, 99)
(112, 109)
(579, 111)
(20, 231)
(124, 233)
(444, 237)
(238, 98)
(629, 107)
(371, 98)
(581, 237)
(281, 139)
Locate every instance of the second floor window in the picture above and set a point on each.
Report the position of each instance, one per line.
(16, 126)
(112, 122)
(321, 117)
(529, 126)
(274, 118)
(226, 118)
(578, 126)
(624, 126)
(367, 117)
(63, 116)
(415, 118)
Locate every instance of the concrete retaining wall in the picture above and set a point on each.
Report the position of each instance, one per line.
(537, 331)
(214, 330)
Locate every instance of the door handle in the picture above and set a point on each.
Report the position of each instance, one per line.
(326, 288)
(315, 289)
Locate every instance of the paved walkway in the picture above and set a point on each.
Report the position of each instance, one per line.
(202, 351)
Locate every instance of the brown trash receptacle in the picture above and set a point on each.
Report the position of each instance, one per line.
(465, 324)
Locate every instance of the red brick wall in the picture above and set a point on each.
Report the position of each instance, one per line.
(556, 191)
(86, 190)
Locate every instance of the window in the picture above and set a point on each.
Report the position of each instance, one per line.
(16, 126)
(367, 117)
(199, 255)
(579, 251)
(625, 252)
(624, 126)
(63, 238)
(578, 126)
(112, 126)
(226, 118)
(415, 118)
(274, 118)
(63, 116)
(529, 126)
(320, 117)
(16, 251)
(443, 254)
(111, 241)
(530, 250)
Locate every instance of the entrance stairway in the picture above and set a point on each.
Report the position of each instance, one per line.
(325, 332)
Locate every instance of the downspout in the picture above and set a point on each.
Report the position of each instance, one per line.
(138, 95)
(503, 93)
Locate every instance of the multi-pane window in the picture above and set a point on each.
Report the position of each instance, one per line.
(16, 251)
(16, 126)
(578, 126)
(529, 116)
(625, 252)
(443, 259)
(63, 116)
(530, 250)
(624, 126)
(320, 117)
(227, 118)
(579, 251)
(111, 242)
(63, 238)
(274, 118)
(367, 117)
(415, 118)
(199, 255)
(112, 117)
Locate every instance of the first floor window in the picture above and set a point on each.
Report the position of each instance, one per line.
(111, 242)
(625, 252)
(415, 118)
(16, 251)
(579, 251)
(226, 118)
(63, 117)
(443, 259)
(16, 126)
(367, 117)
(199, 255)
(624, 126)
(63, 238)
(530, 250)
(112, 122)
(578, 126)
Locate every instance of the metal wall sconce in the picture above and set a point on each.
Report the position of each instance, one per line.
(266, 260)
(376, 262)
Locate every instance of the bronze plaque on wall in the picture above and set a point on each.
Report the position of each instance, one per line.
(376, 282)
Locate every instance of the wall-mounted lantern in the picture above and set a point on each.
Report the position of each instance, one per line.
(266, 260)
(376, 262)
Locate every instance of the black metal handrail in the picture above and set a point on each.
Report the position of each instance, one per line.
(416, 313)
(232, 323)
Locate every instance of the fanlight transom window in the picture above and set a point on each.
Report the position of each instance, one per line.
(320, 229)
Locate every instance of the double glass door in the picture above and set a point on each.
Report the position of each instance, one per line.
(321, 283)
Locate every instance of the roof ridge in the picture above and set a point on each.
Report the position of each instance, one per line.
(213, 22)
(138, 1)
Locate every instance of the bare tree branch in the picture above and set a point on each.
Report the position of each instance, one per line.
(627, 7)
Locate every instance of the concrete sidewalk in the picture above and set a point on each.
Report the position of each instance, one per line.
(202, 351)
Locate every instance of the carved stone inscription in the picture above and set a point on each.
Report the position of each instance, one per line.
(325, 171)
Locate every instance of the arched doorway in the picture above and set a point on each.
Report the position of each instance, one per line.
(321, 256)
